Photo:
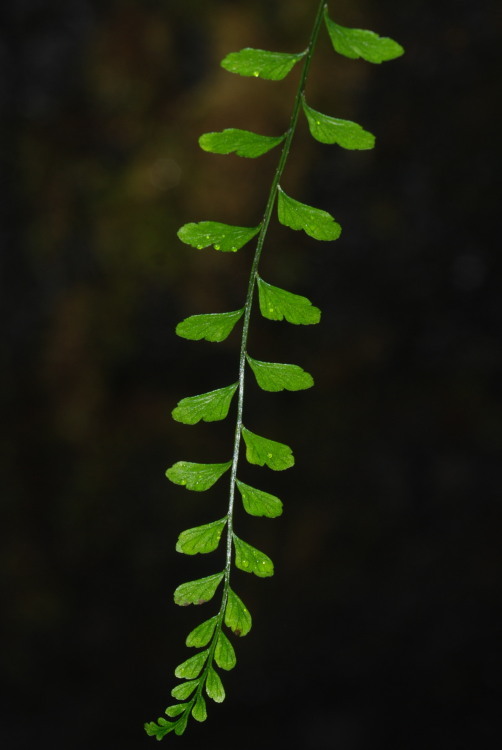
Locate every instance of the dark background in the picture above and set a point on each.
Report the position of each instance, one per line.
(378, 629)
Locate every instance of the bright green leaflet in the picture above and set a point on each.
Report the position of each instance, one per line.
(331, 130)
(315, 222)
(214, 686)
(237, 616)
(198, 477)
(278, 304)
(356, 43)
(210, 407)
(224, 237)
(274, 376)
(224, 653)
(198, 672)
(260, 63)
(211, 326)
(201, 538)
(251, 560)
(202, 634)
(259, 503)
(241, 142)
(265, 452)
(199, 591)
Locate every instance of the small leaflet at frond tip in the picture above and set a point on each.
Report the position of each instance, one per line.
(265, 452)
(368, 45)
(345, 133)
(275, 376)
(214, 327)
(201, 539)
(251, 560)
(159, 729)
(278, 304)
(209, 407)
(240, 142)
(224, 237)
(315, 222)
(259, 63)
(194, 476)
(259, 503)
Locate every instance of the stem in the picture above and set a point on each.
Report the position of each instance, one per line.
(251, 286)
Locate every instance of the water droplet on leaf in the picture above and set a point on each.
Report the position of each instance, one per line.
(256, 73)
(217, 247)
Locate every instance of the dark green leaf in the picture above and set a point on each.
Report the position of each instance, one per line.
(210, 407)
(224, 654)
(317, 223)
(197, 477)
(202, 634)
(347, 134)
(258, 503)
(199, 711)
(214, 686)
(274, 376)
(185, 690)
(201, 538)
(356, 43)
(224, 237)
(273, 66)
(192, 667)
(241, 142)
(210, 326)
(197, 592)
(251, 560)
(261, 451)
(237, 616)
(277, 304)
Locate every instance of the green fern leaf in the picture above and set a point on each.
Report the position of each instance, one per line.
(197, 477)
(199, 711)
(241, 142)
(331, 130)
(210, 407)
(275, 376)
(273, 66)
(176, 710)
(197, 592)
(261, 451)
(356, 43)
(237, 616)
(224, 654)
(214, 686)
(317, 223)
(251, 560)
(224, 237)
(159, 730)
(201, 539)
(192, 667)
(210, 326)
(258, 503)
(278, 304)
(202, 634)
(185, 690)
(181, 724)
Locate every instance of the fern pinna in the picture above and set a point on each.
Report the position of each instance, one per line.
(199, 673)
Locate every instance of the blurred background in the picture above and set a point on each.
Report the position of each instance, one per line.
(378, 628)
